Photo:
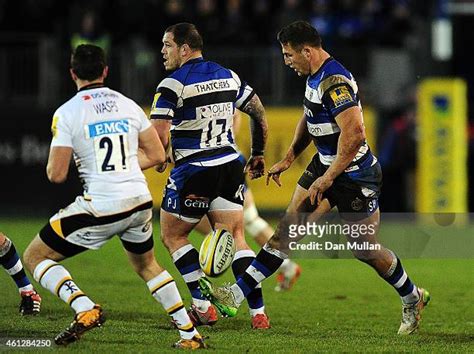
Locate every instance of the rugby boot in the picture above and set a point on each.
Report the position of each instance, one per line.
(197, 342)
(200, 318)
(83, 322)
(30, 303)
(222, 297)
(260, 321)
(286, 279)
(411, 313)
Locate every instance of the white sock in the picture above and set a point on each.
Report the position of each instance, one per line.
(411, 298)
(202, 305)
(164, 290)
(286, 265)
(28, 287)
(259, 311)
(238, 294)
(57, 280)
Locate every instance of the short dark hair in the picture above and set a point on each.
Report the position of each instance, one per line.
(186, 33)
(298, 34)
(88, 62)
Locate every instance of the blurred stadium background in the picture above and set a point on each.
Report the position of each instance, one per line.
(421, 131)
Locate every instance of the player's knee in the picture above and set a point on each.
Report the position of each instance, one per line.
(29, 258)
(33, 255)
(254, 224)
(167, 241)
(5, 245)
(171, 241)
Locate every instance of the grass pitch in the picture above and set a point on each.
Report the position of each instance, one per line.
(337, 305)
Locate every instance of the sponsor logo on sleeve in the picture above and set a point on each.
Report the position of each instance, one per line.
(54, 126)
(340, 96)
(155, 99)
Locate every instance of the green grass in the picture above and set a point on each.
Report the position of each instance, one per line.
(337, 305)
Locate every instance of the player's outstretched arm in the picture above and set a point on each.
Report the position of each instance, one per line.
(58, 163)
(300, 142)
(259, 131)
(352, 136)
(351, 139)
(151, 151)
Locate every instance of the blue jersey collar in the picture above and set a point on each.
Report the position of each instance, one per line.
(194, 61)
(322, 66)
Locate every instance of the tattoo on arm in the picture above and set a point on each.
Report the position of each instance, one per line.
(258, 124)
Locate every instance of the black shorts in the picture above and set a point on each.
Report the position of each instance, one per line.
(191, 191)
(355, 193)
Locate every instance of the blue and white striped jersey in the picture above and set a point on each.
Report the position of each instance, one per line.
(200, 99)
(329, 91)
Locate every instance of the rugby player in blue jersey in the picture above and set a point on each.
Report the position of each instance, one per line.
(196, 104)
(343, 174)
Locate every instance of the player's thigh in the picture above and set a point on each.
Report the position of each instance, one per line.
(137, 236)
(189, 191)
(172, 225)
(82, 225)
(357, 193)
(203, 226)
(300, 201)
(230, 187)
(365, 230)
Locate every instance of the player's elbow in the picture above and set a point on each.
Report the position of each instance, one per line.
(55, 175)
(358, 136)
(159, 158)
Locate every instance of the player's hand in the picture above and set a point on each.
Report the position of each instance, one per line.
(317, 189)
(255, 167)
(276, 170)
(161, 167)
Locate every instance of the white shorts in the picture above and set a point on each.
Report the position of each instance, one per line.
(86, 225)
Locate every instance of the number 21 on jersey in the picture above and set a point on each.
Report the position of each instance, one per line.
(110, 144)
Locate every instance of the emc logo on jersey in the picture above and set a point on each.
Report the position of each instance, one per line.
(110, 127)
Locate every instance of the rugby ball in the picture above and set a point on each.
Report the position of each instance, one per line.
(217, 252)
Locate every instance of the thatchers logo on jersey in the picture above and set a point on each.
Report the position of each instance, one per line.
(110, 127)
(340, 96)
(214, 85)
